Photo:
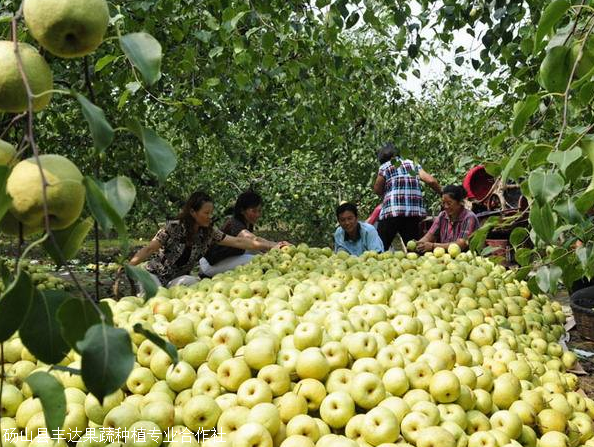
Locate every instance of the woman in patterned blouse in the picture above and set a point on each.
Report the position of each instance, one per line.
(179, 245)
(454, 224)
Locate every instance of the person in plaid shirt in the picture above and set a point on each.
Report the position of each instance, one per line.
(398, 182)
(454, 224)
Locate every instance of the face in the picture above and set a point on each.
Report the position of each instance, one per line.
(348, 221)
(451, 206)
(203, 217)
(253, 214)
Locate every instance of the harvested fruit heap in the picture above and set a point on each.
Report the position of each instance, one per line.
(40, 276)
(302, 348)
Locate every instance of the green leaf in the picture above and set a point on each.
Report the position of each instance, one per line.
(496, 141)
(15, 302)
(160, 156)
(563, 159)
(169, 349)
(53, 399)
(543, 221)
(41, 330)
(550, 16)
(538, 156)
(145, 53)
(568, 211)
(352, 20)
(104, 62)
(107, 359)
(69, 240)
(523, 256)
(5, 199)
(585, 202)
(230, 25)
(143, 277)
(545, 186)
(101, 130)
(518, 236)
(522, 273)
(525, 110)
(512, 162)
(120, 192)
(548, 277)
(478, 238)
(77, 315)
(103, 212)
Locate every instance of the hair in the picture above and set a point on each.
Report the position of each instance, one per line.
(246, 200)
(348, 206)
(386, 153)
(194, 203)
(456, 192)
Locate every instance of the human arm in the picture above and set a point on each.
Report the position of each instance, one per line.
(427, 242)
(249, 235)
(429, 180)
(145, 252)
(379, 185)
(374, 242)
(245, 243)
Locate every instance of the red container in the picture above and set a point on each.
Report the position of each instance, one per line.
(478, 183)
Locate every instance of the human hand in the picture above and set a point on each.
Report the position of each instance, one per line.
(425, 246)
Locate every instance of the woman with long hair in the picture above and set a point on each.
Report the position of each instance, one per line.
(245, 214)
(178, 246)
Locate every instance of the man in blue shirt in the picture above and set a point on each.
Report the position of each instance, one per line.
(353, 236)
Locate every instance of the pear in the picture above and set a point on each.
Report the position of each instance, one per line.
(65, 192)
(555, 69)
(13, 95)
(7, 153)
(67, 28)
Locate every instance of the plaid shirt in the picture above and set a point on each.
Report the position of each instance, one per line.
(447, 231)
(402, 192)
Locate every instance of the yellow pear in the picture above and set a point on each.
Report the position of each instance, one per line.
(13, 95)
(65, 192)
(67, 28)
(7, 153)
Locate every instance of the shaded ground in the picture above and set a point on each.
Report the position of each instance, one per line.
(576, 341)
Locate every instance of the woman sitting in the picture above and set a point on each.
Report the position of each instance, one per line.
(454, 224)
(179, 245)
(246, 213)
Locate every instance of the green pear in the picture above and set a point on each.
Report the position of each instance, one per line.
(555, 69)
(13, 95)
(67, 28)
(7, 153)
(586, 61)
(65, 192)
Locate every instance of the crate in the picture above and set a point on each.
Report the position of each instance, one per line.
(582, 305)
(502, 248)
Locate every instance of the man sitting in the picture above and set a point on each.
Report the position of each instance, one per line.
(353, 236)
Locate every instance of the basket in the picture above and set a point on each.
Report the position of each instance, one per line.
(582, 303)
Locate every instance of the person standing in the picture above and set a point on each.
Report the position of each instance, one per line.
(353, 236)
(398, 182)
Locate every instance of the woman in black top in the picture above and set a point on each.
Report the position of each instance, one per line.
(247, 211)
(177, 247)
